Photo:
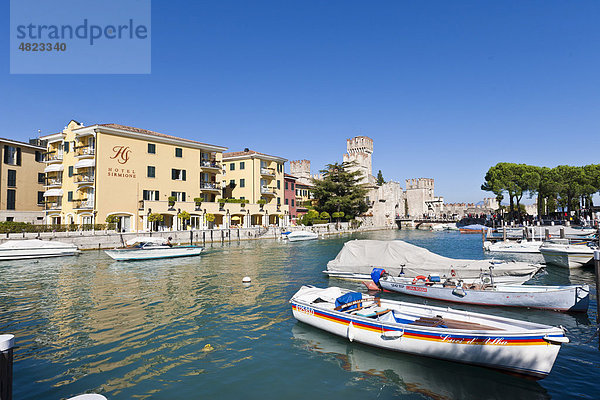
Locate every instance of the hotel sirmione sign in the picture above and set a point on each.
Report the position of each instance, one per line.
(121, 154)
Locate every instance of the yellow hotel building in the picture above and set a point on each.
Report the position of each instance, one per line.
(130, 173)
(258, 178)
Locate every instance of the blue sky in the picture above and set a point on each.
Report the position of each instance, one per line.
(445, 88)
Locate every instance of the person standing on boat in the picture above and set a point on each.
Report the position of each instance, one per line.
(169, 241)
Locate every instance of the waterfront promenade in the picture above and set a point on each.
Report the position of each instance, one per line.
(107, 239)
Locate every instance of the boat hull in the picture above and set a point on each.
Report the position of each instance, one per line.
(526, 353)
(358, 277)
(566, 259)
(562, 298)
(15, 254)
(297, 236)
(153, 253)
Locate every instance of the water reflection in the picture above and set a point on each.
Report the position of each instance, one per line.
(432, 378)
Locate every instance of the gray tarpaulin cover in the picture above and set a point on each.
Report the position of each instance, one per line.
(360, 256)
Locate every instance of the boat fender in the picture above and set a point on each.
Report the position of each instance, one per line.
(420, 278)
(350, 331)
(453, 272)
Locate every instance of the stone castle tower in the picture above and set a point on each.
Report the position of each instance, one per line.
(301, 170)
(360, 150)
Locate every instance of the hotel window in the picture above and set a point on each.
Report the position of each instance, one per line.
(286, 185)
(287, 202)
(179, 196)
(232, 167)
(278, 184)
(178, 174)
(151, 171)
(151, 148)
(70, 171)
(66, 147)
(242, 165)
(10, 199)
(69, 196)
(12, 155)
(151, 195)
(40, 198)
(242, 183)
(12, 178)
(293, 185)
(279, 201)
(41, 177)
(39, 157)
(178, 152)
(232, 183)
(292, 202)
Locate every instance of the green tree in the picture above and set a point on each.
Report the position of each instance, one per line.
(184, 216)
(155, 218)
(325, 215)
(111, 221)
(380, 180)
(340, 190)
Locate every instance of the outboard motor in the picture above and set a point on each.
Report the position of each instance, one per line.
(377, 274)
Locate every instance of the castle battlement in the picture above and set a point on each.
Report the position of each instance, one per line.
(420, 183)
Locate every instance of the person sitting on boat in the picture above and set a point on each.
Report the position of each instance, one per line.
(169, 242)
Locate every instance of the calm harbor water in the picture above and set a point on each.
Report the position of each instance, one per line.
(141, 329)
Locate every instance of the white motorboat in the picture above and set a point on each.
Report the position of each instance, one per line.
(568, 255)
(297, 236)
(520, 347)
(358, 257)
(149, 248)
(520, 246)
(34, 248)
(559, 298)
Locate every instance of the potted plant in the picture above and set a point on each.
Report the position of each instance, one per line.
(198, 202)
(261, 203)
(210, 218)
(155, 218)
(184, 216)
(172, 200)
(111, 222)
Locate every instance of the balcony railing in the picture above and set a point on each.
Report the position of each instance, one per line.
(83, 151)
(83, 204)
(267, 171)
(53, 156)
(53, 205)
(84, 178)
(209, 186)
(267, 190)
(53, 182)
(210, 164)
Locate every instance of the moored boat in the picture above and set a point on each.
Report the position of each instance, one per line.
(568, 255)
(521, 246)
(521, 347)
(149, 248)
(34, 248)
(559, 298)
(297, 236)
(475, 228)
(358, 257)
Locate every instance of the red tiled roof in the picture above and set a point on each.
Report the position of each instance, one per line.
(245, 153)
(147, 132)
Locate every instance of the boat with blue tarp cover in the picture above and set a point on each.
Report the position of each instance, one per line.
(520, 347)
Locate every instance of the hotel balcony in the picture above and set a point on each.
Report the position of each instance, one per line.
(83, 205)
(210, 187)
(267, 191)
(53, 156)
(53, 206)
(53, 182)
(84, 151)
(84, 179)
(210, 165)
(270, 172)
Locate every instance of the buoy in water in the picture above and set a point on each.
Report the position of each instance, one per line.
(246, 279)
(208, 347)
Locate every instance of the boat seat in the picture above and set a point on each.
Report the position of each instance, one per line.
(451, 324)
(371, 312)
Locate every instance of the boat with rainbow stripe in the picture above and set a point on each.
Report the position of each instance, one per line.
(521, 347)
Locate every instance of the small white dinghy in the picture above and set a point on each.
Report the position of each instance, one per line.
(520, 347)
(575, 298)
(34, 248)
(149, 248)
(521, 246)
(297, 236)
(568, 255)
